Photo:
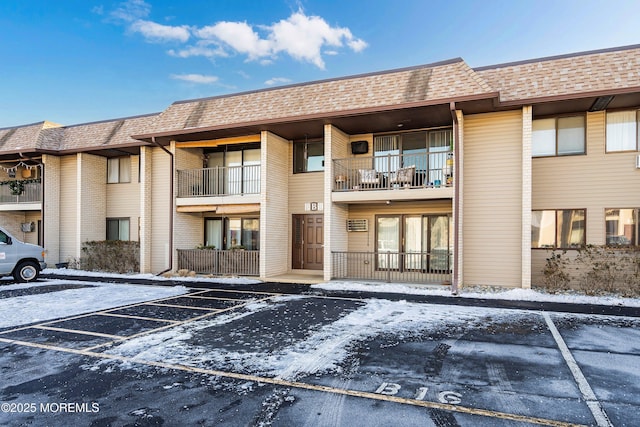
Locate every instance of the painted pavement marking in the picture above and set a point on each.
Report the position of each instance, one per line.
(305, 386)
(129, 316)
(77, 331)
(587, 392)
(159, 304)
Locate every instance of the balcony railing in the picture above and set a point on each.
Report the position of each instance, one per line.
(424, 170)
(220, 262)
(219, 181)
(31, 193)
(405, 267)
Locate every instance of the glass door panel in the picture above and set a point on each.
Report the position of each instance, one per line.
(440, 243)
(413, 239)
(388, 242)
(233, 162)
(213, 233)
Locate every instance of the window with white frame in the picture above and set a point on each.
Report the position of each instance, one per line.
(558, 136)
(558, 229)
(118, 169)
(622, 131)
(118, 228)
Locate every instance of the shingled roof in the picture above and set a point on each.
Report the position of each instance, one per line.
(566, 76)
(104, 134)
(28, 138)
(425, 85)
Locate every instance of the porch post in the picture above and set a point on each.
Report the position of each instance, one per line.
(526, 195)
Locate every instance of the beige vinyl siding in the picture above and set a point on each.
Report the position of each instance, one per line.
(52, 186)
(492, 196)
(92, 206)
(161, 204)
(274, 215)
(32, 216)
(595, 182)
(68, 213)
(123, 200)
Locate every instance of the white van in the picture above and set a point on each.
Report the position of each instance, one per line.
(23, 261)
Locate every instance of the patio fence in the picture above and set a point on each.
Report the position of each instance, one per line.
(220, 262)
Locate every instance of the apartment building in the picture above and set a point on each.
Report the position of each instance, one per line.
(439, 173)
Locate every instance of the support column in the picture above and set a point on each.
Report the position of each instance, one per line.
(527, 117)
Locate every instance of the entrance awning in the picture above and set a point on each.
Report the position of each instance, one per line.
(221, 209)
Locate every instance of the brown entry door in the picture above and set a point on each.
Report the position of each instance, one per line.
(308, 242)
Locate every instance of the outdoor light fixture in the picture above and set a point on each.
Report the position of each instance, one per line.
(601, 103)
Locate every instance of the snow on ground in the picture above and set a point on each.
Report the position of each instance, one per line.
(322, 349)
(516, 294)
(26, 309)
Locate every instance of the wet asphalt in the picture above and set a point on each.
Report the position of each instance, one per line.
(501, 367)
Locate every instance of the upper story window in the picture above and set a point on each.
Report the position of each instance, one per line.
(558, 229)
(119, 169)
(308, 156)
(559, 136)
(412, 148)
(622, 131)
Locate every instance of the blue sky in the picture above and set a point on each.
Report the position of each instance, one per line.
(77, 61)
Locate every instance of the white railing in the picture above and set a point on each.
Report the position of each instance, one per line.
(424, 170)
(219, 181)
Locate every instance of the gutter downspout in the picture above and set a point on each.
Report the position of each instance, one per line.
(456, 197)
(171, 192)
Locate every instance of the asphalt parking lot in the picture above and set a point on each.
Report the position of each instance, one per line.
(258, 355)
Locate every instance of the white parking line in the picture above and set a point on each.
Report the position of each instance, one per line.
(587, 393)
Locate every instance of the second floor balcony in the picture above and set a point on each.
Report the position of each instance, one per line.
(219, 181)
(20, 192)
(394, 171)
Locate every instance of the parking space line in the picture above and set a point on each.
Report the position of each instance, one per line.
(173, 325)
(305, 386)
(585, 389)
(213, 298)
(183, 306)
(78, 331)
(128, 316)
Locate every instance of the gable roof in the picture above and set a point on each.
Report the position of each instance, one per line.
(567, 76)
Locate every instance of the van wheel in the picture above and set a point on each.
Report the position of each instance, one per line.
(26, 271)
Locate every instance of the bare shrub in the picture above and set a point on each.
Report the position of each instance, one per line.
(116, 256)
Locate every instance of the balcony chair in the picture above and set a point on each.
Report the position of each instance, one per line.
(403, 176)
(369, 178)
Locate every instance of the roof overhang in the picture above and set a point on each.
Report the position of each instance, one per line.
(414, 115)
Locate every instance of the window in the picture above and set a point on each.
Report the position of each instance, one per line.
(622, 131)
(118, 169)
(414, 242)
(237, 170)
(230, 233)
(558, 229)
(117, 228)
(4, 238)
(621, 227)
(308, 156)
(560, 136)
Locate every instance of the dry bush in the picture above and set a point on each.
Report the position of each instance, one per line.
(116, 256)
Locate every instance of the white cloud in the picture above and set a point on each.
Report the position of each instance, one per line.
(277, 80)
(158, 32)
(200, 49)
(300, 36)
(195, 78)
(131, 10)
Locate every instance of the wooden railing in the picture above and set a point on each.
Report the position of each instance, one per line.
(403, 267)
(219, 181)
(31, 193)
(420, 170)
(220, 262)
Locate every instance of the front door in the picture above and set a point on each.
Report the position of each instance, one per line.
(308, 242)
